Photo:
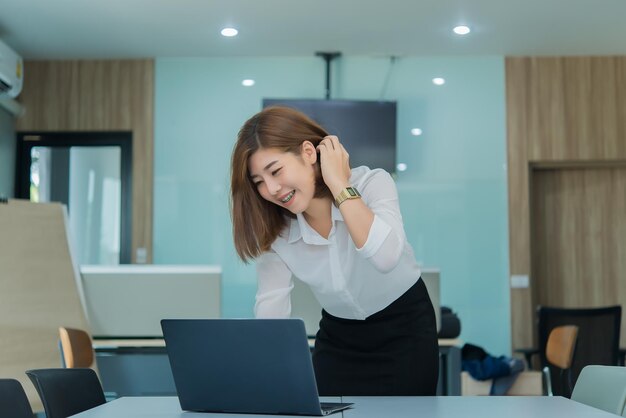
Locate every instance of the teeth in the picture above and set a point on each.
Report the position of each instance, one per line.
(288, 198)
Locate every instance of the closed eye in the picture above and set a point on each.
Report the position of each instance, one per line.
(276, 171)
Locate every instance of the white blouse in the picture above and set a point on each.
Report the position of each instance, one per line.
(348, 282)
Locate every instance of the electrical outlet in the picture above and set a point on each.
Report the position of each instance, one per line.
(520, 281)
(141, 255)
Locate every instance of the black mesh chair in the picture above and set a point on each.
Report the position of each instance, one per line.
(13, 400)
(65, 392)
(598, 339)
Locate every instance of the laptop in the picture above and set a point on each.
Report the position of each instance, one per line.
(251, 366)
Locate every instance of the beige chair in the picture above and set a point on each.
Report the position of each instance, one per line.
(597, 341)
(76, 348)
(77, 352)
(560, 350)
(603, 387)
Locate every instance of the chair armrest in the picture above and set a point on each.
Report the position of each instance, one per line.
(528, 354)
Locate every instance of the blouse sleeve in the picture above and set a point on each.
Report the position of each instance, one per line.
(274, 281)
(386, 238)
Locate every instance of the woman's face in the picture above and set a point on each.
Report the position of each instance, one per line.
(284, 178)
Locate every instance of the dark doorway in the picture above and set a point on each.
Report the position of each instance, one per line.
(89, 172)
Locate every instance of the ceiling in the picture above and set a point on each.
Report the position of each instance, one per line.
(66, 29)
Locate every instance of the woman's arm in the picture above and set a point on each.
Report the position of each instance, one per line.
(385, 242)
(334, 162)
(376, 230)
(274, 285)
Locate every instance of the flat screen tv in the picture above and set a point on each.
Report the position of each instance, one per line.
(366, 128)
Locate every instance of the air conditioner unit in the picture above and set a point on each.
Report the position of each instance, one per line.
(11, 71)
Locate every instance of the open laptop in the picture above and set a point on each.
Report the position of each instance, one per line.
(253, 366)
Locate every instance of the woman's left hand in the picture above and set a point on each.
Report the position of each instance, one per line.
(335, 164)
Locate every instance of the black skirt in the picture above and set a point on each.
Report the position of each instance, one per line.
(393, 352)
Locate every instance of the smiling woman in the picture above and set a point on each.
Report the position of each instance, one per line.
(278, 133)
(299, 209)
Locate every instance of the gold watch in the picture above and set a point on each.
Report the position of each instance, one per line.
(345, 194)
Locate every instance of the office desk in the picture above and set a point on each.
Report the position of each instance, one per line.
(134, 367)
(378, 407)
(140, 367)
(449, 382)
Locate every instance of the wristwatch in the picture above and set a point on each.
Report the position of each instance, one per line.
(345, 194)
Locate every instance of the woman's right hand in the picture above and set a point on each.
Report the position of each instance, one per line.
(335, 164)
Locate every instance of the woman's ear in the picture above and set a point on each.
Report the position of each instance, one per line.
(309, 152)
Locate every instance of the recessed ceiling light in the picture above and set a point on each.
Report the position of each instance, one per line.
(247, 82)
(461, 30)
(229, 32)
(438, 81)
(401, 167)
(416, 131)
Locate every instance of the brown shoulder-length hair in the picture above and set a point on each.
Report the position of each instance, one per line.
(257, 222)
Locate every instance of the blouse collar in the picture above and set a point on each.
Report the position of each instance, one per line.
(299, 228)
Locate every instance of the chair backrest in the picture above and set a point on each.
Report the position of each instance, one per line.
(13, 400)
(76, 347)
(597, 342)
(561, 345)
(65, 392)
(603, 387)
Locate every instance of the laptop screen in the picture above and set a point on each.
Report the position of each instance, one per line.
(242, 365)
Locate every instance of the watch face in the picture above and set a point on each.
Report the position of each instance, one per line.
(351, 191)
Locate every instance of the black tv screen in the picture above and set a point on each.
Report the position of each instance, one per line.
(367, 129)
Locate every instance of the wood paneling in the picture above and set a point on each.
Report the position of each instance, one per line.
(99, 96)
(561, 111)
(576, 108)
(519, 231)
(579, 237)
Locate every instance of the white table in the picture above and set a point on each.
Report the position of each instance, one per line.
(470, 407)
(377, 407)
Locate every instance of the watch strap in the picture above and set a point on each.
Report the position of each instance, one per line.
(346, 194)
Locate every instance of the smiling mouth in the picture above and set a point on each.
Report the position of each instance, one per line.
(288, 197)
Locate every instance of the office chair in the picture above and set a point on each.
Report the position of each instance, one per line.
(597, 342)
(77, 352)
(560, 350)
(603, 387)
(65, 392)
(76, 348)
(13, 400)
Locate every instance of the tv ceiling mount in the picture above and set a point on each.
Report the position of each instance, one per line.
(328, 57)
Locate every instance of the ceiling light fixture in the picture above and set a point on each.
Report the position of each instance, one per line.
(401, 167)
(247, 82)
(229, 32)
(438, 81)
(416, 131)
(461, 30)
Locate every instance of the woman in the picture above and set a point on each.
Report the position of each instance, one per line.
(300, 211)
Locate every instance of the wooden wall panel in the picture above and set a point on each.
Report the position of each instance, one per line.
(578, 106)
(110, 95)
(579, 237)
(517, 70)
(561, 112)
